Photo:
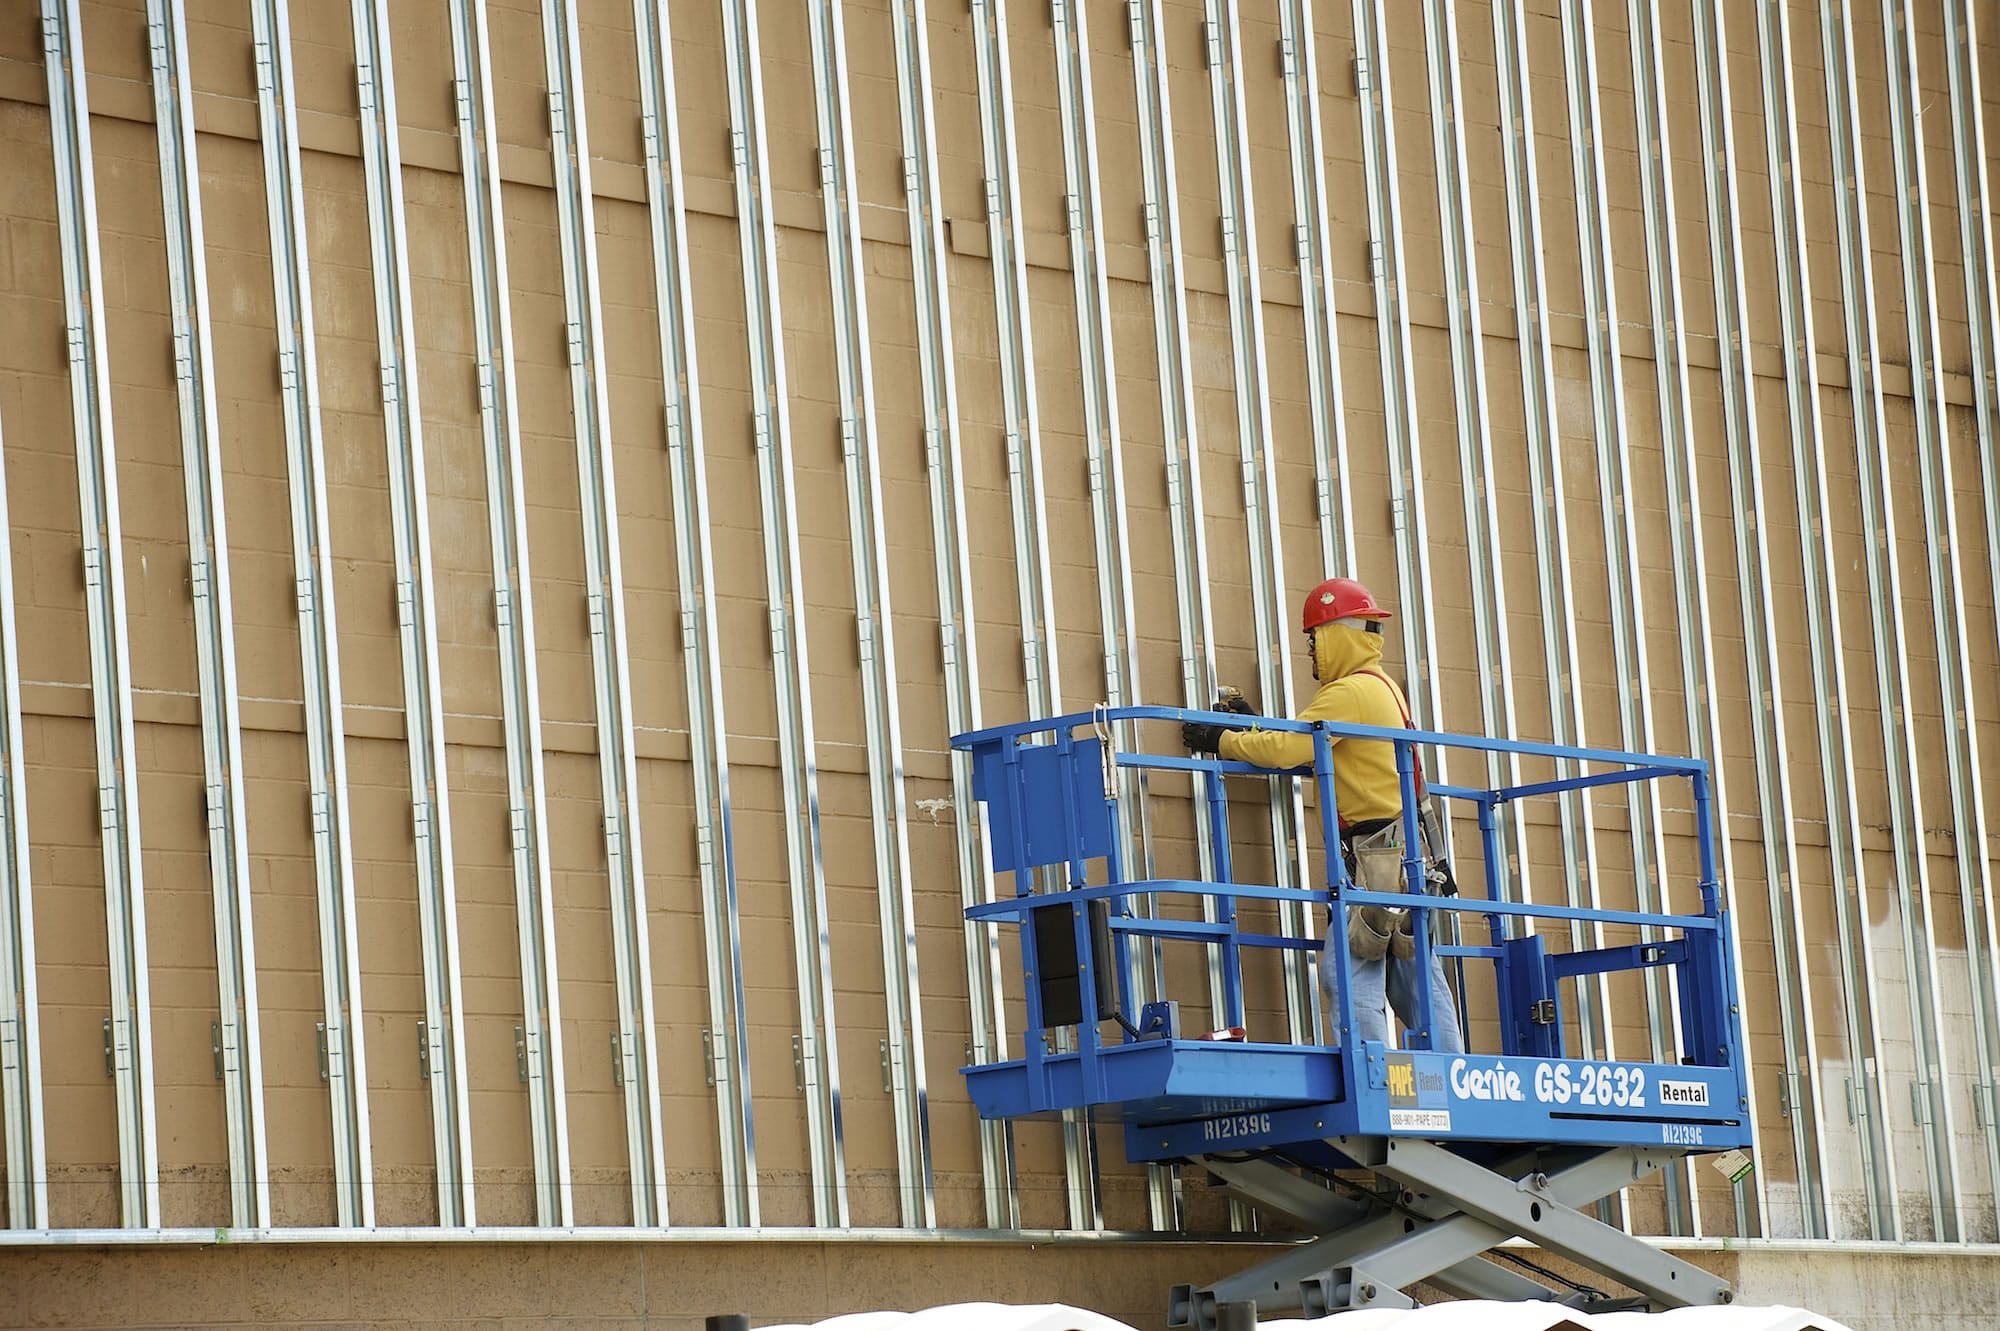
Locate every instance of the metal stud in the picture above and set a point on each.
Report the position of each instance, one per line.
(214, 628)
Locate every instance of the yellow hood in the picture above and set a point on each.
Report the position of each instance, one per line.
(1340, 651)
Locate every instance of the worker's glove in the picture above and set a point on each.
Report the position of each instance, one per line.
(1201, 737)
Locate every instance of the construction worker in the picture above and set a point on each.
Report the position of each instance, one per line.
(1343, 627)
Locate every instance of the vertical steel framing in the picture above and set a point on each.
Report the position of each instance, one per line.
(1021, 428)
(1678, 444)
(1475, 441)
(1545, 476)
(1867, 1089)
(1313, 238)
(694, 566)
(1006, 226)
(20, 1011)
(1829, 675)
(1259, 468)
(784, 589)
(131, 1032)
(312, 572)
(1313, 234)
(1103, 443)
(513, 612)
(1976, 205)
(1396, 359)
(1174, 356)
(1935, 1108)
(240, 1044)
(1618, 513)
(1102, 440)
(874, 625)
(1756, 600)
(944, 467)
(1399, 386)
(1607, 399)
(604, 594)
(1103, 452)
(416, 617)
(1982, 316)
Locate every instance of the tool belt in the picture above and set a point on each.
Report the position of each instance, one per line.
(1374, 853)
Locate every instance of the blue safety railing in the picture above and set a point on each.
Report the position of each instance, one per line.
(1052, 803)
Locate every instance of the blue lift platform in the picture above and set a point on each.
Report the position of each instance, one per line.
(1466, 1150)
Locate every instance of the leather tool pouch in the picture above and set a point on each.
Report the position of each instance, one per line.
(1376, 864)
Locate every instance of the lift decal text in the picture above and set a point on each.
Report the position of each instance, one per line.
(1236, 1125)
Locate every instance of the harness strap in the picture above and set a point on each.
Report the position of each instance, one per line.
(1417, 759)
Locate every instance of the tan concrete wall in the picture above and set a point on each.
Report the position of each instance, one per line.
(659, 1286)
(676, 1286)
(39, 457)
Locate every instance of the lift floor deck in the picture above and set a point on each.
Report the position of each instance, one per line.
(1456, 1152)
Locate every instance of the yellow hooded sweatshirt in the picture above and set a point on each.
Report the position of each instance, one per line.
(1351, 688)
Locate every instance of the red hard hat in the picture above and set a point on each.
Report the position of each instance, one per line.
(1339, 598)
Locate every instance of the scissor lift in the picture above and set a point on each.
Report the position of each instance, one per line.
(1466, 1151)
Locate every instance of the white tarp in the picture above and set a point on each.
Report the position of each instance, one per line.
(1465, 1316)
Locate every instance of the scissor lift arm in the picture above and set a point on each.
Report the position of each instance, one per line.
(1439, 1211)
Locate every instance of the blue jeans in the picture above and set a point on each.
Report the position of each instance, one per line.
(1399, 978)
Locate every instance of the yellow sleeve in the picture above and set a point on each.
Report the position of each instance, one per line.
(1284, 748)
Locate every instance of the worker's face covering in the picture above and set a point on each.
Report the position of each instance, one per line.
(1339, 651)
